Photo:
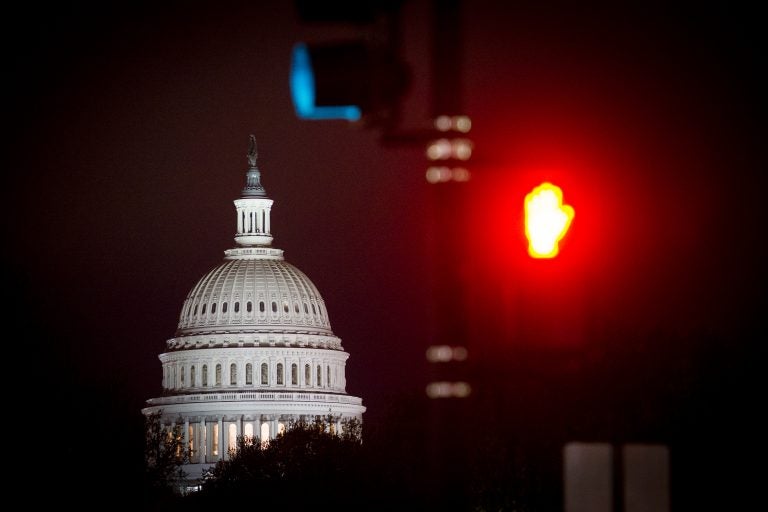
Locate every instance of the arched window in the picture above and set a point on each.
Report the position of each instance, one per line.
(294, 374)
(264, 374)
(328, 376)
(191, 437)
(223, 307)
(313, 310)
(232, 441)
(274, 307)
(218, 375)
(264, 432)
(286, 307)
(296, 307)
(233, 374)
(306, 310)
(203, 311)
(319, 376)
(213, 308)
(249, 306)
(279, 374)
(249, 374)
(319, 309)
(205, 375)
(307, 375)
(195, 310)
(248, 431)
(192, 377)
(182, 376)
(237, 307)
(261, 306)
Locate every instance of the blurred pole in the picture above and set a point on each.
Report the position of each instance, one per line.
(450, 421)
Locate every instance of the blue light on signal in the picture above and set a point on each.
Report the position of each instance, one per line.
(302, 81)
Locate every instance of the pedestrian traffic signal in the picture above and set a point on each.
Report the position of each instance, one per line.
(547, 220)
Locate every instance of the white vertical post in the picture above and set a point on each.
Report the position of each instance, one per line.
(588, 469)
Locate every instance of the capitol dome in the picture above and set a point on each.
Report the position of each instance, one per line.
(254, 296)
(253, 350)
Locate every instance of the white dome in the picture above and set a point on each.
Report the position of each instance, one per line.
(254, 295)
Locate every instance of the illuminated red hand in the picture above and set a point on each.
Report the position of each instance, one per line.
(546, 220)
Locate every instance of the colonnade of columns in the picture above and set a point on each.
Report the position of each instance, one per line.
(253, 220)
(209, 439)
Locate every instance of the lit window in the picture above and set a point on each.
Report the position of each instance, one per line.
(319, 376)
(233, 374)
(248, 431)
(232, 442)
(205, 375)
(264, 374)
(215, 441)
(279, 374)
(294, 374)
(264, 433)
(249, 374)
(307, 375)
(218, 375)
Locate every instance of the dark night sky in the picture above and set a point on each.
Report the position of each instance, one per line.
(127, 132)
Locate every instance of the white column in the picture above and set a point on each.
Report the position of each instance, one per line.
(267, 226)
(201, 437)
(222, 446)
(239, 221)
(225, 440)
